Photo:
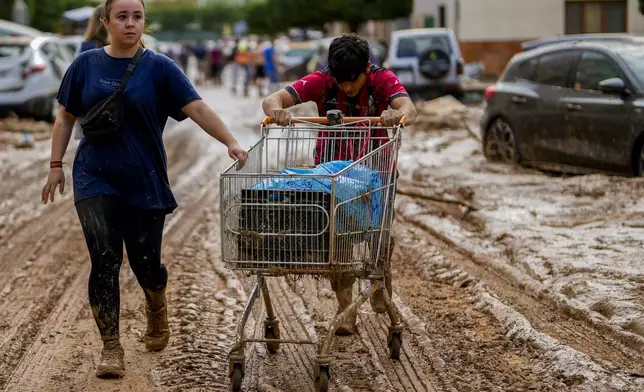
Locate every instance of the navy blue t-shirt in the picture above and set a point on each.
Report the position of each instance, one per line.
(89, 45)
(134, 166)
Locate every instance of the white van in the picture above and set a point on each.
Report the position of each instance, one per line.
(427, 61)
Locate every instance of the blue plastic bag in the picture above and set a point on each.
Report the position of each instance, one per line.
(359, 182)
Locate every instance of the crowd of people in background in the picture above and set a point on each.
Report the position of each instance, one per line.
(253, 62)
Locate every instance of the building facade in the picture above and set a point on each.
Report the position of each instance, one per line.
(491, 31)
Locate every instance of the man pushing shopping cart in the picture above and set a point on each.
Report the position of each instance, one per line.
(315, 197)
(357, 88)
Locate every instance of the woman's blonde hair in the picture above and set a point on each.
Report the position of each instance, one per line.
(96, 29)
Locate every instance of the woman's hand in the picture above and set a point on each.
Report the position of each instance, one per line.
(235, 151)
(56, 178)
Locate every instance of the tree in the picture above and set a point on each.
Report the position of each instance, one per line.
(641, 4)
(179, 17)
(279, 15)
(6, 8)
(356, 12)
(45, 14)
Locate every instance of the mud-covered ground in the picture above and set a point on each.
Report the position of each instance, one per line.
(508, 280)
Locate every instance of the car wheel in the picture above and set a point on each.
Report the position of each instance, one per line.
(500, 143)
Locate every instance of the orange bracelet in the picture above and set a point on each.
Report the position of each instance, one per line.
(55, 164)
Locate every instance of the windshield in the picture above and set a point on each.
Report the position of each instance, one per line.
(634, 59)
(414, 46)
(9, 50)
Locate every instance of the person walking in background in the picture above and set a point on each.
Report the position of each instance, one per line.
(270, 66)
(216, 59)
(243, 63)
(96, 36)
(201, 52)
(121, 188)
(353, 85)
(259, 76)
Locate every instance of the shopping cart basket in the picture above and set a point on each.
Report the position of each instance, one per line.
(314, 198)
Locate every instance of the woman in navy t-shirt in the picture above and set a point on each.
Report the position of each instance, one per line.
(121, 188)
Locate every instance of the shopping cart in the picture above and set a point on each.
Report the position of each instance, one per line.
(280, 220)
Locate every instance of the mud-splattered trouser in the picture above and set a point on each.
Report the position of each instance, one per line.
(107, 223)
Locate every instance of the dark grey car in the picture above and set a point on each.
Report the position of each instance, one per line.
(572, 107)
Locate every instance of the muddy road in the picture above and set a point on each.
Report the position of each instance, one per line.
(473, 323)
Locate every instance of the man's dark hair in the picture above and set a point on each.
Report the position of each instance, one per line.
(348, 57)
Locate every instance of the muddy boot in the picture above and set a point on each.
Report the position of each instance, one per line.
(158, 332)
(112, 364)
(377, 299)
(343, 288)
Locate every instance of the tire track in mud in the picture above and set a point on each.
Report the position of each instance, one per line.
(538, 357)
(547, 317)
(44, 317)
(361, 362)
(468, 348)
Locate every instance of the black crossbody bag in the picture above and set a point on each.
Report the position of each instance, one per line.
(104, 122)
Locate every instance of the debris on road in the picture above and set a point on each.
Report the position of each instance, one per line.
(22, 133)
(446, 113)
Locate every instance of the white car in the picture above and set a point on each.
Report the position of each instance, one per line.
(427, 61)
(31, 70)
(10, 29)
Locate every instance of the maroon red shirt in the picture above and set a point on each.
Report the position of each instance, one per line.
(381, 88)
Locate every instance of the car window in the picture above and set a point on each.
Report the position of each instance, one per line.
(49, 49)
(12, 50)
(299, 52)
(554, 68)
(414, 46)
(634, 58)
(593, 68)
(526, 69)
(65, 53)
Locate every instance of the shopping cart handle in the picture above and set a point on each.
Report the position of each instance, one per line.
(325, 121)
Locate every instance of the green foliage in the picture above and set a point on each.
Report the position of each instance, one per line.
(178, 17)
(45, 14)
(6, 8)
(641, 5)
(357, 12)
(272, 16)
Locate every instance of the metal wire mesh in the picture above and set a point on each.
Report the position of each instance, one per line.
(336, 227)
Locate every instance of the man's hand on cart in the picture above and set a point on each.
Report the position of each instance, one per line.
(391, 118)
(280, 117)
(236, 152)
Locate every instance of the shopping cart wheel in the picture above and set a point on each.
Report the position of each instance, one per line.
(322, 378)
(272, 331)
(236, 377)
(395, 342)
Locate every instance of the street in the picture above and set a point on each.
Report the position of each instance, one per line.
(507, 278)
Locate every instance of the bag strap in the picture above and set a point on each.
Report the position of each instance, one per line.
(130, 69)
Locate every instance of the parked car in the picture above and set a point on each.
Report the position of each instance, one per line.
(569, 107)
(557, 39)
(11, 29)
(31, 70)
(293, 62)
(427, 61)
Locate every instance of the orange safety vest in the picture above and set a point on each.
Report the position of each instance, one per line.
(243, 58)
